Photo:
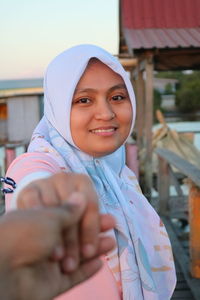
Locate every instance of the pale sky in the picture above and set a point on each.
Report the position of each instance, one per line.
(33, 32)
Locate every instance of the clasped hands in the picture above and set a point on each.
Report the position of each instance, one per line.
(58, 243)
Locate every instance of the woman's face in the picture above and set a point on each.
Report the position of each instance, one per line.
(101, 112)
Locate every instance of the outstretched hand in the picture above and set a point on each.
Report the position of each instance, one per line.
(35, 251)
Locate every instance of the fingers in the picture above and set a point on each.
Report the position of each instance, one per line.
(37, 194)
(106, 244)
(29, 197)
(72, 239)
(89, 230)
(90, 233)
(48, 194)
(90, 224)
(71, 236)
(107, 222)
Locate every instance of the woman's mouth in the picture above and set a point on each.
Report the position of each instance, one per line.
(104, 131)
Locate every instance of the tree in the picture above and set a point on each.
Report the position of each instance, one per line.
(188, 94)
(188, 89)
(168, 89)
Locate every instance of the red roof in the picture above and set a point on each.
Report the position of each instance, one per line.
(161, 23)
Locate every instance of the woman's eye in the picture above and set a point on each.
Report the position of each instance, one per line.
(118, 97)
(84, 100)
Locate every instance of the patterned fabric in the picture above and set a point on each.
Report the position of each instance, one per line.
(142, 263)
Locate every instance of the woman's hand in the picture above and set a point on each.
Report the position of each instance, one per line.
(83, 241)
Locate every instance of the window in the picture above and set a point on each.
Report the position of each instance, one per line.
(3, 111)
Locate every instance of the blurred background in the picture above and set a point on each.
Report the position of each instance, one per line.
(158, 44)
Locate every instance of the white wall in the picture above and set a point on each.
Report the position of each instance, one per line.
(23, 116)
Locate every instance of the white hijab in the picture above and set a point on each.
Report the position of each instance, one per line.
(142, 263)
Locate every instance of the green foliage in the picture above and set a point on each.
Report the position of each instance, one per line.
(188, 94)
(157, 99)
(168, 89)
(170, 74)
(188, 89)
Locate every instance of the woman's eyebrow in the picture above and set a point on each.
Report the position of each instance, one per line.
(115, 87)
(118, 86)
(84, 90)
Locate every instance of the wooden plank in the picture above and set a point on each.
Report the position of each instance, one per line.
(182, 288)
(182, 285)
(182, 165)
(183, 260)
(175, 182)
(182, 295)
(194, 220)
(178, 205)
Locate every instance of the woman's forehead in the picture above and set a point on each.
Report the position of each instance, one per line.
(97, 73)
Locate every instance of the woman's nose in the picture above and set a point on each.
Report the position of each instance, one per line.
(104, 111)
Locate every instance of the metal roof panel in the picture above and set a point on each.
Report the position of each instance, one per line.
(162, 38)
(140, 14)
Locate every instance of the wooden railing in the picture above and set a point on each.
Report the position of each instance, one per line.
(166, 175)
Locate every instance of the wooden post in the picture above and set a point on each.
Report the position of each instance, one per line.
(194, 221)
(163, 186)
(140, 108)
(148, 116)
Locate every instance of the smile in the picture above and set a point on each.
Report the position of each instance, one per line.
(104, 131)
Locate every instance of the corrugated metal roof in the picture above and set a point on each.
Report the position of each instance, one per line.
(151, 24)
(140, 14)
(162, 38)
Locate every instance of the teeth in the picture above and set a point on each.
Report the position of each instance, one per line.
(103, 130)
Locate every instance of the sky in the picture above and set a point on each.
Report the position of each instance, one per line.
(33, 32)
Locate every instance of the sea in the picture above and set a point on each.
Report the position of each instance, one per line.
(20, 83)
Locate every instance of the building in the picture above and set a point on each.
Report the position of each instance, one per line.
(21, 107)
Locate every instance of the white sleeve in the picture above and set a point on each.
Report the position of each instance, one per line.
(24, 182)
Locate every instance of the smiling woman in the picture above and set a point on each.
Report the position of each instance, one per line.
(101, 111)
(89, 113)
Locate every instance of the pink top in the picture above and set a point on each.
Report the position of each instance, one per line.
(102, 286)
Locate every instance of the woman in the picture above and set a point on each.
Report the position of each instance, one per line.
(89, 112)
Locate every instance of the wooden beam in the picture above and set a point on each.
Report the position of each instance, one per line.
(128, 63)
(148, 125)
(173, 59)
(175, 182)
(194, 221)
(182, 165)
